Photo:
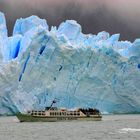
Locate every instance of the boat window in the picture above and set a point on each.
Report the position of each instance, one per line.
(51, 113)
(71, 113)
(63, 113)
(75, 113)
(68, 113)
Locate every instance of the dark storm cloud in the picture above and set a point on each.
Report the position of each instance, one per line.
(119, 16)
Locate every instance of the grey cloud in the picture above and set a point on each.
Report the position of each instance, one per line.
(93, 15)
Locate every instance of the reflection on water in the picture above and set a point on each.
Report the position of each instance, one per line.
(125, 127)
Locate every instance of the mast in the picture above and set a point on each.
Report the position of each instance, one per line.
(53, 102)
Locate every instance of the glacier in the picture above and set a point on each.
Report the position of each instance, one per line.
(38, 65)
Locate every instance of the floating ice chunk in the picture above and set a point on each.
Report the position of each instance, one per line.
(23, 25)
(132, 130)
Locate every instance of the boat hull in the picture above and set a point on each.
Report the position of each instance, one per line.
(29, 118)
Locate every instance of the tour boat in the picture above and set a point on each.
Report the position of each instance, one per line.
(53, 114)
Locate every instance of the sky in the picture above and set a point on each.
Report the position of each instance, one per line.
(113, 16)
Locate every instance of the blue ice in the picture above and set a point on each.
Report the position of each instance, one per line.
(81, 70)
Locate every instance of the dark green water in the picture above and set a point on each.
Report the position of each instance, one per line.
(124, 127)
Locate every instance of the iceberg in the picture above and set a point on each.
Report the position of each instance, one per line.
(38, 65)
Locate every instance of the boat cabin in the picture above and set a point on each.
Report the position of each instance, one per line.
(54, 112)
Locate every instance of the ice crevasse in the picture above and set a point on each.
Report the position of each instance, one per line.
(38, 65)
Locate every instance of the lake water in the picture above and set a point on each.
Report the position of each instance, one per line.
(124, 127)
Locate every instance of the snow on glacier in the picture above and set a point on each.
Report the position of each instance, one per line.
(80, 70)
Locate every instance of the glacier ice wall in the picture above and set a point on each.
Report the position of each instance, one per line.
(80, 70)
